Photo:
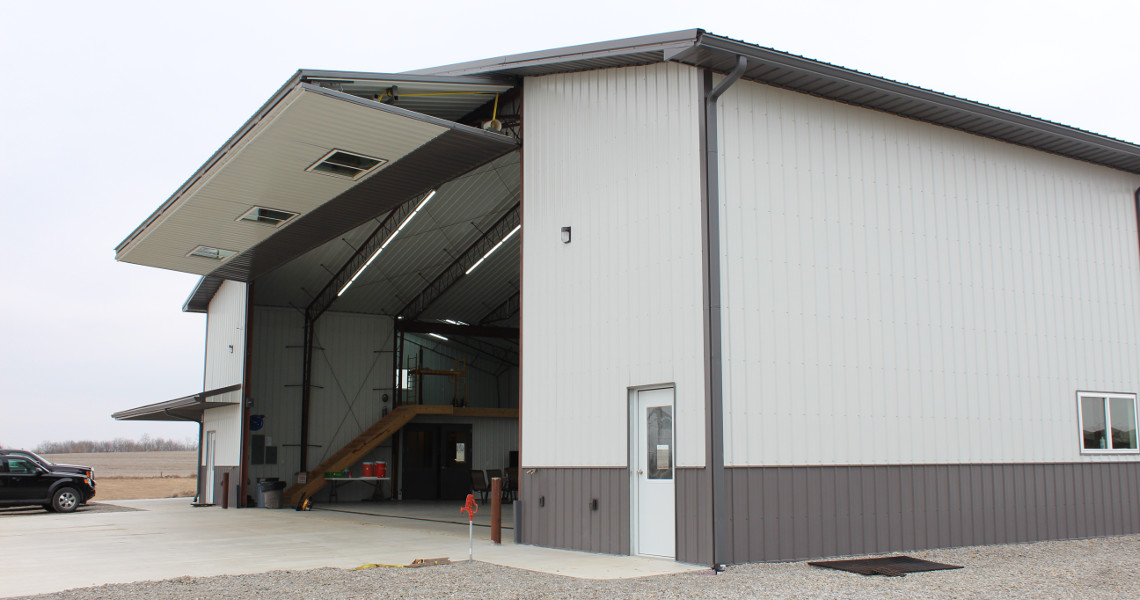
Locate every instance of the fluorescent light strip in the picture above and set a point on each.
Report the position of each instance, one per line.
(386, 242)
(436, 335)
(492, 250)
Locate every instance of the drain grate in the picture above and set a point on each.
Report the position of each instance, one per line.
(891, 566)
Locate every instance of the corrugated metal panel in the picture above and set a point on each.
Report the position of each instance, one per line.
(225, 365)
(565, 519)
(225, 340)
(297, 282)
(485, 373)
(353, 367)
(453, 220)
(694, 515)
(896, 291)
(614, 155)
(699, 48)
(796, 513)
(226, 421)
(270, 163)
(475, 295)
(448, 224)
(275, 386)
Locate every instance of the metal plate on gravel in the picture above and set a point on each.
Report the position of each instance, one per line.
(891, 566)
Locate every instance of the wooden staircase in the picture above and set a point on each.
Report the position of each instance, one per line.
(375, 435)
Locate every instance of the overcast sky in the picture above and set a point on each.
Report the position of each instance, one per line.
(107, 107)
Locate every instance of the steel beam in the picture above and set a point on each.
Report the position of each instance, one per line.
(328, 294)
(509, 308)
(410, 326)
(459, 267)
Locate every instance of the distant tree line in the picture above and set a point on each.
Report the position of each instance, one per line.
(143, 444)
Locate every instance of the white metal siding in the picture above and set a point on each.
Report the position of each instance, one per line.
(613, 154)
(225, 365)
(897, 292)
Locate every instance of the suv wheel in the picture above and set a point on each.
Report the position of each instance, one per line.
(65, 500)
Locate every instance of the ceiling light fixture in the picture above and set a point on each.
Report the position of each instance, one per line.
(492, 250)
(387, 241)
(436, 335)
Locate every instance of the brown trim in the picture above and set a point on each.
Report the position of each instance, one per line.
(795, 513)
(566, 517)
(247, 376)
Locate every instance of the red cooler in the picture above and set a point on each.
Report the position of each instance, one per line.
(381, 468)
(368, 470)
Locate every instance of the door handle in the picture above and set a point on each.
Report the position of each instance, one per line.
(640, 472)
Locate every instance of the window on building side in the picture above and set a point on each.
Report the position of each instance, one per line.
(1108, 422)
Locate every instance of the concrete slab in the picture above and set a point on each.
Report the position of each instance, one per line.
(167, 538)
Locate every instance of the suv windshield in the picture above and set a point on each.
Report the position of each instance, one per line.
(36, 457)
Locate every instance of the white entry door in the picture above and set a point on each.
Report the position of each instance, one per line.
(210, 467)
(652, 458)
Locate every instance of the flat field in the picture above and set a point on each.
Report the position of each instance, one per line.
(134, 475)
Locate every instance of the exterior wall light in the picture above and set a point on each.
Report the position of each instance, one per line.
(565, 235)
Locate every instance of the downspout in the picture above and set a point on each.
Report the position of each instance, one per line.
(713, 346)
(1138, 216)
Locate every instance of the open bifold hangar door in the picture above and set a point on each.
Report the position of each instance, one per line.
(313, 163)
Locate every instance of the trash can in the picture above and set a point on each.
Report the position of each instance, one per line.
(269, 493)
(265, 484)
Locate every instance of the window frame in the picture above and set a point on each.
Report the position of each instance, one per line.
(1106, 397)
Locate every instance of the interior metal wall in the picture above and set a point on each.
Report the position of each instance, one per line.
(488, 381)
(225, 365)
(897, 292)
(352, 370)
(614, 155)
(492, 439)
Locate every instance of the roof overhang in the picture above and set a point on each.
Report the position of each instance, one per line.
(702, 49)
(266, 164)
(186, 408)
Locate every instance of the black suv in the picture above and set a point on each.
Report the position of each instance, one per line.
(24, 481)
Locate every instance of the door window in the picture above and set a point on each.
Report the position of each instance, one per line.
(659, 437)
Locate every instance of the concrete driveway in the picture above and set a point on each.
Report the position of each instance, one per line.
(139, 540)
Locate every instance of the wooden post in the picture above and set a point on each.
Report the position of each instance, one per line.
(497, 510)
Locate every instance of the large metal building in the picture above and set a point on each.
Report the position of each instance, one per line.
(701, 299)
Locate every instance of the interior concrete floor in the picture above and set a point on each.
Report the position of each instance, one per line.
(139, 540)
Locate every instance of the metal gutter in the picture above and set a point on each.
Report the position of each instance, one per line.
(199, 299)
(569, 54)
(192, 401)
(714, 370)
(824, 80)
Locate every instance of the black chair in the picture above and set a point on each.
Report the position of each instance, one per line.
(504, 490)
(479, 484)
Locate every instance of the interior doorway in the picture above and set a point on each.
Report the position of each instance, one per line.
(437, 461)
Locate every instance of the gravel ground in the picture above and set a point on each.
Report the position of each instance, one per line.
(1085, 569)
